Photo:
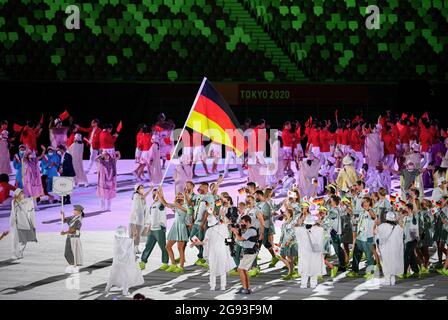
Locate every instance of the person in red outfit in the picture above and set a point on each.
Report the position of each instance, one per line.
(390, 147)
(29, 136)
(138, 137)
(426, 140)
(94, 141)
(345, 137)
(288, 141)
(356, 144)
(404, 132)
(5, 190)
(144, 144)
(314, 139)
(325, 138)
(107, 140)
(297, 145)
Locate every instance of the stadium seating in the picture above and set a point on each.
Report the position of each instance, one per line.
(329, 39)
(225, 40)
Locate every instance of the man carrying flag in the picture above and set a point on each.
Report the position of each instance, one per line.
(212, 117)
(94, 141)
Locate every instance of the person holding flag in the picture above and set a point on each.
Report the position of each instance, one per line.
(94, 141)
(107, 139)
(58, 132)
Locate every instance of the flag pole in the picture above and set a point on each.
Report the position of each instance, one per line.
(183, 129)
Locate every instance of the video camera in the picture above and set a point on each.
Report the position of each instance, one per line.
(232, 215)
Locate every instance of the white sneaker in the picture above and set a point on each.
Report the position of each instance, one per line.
(75, 269)
(69, 269)
(223, 288)
(212, 288)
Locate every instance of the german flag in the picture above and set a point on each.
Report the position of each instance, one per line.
(212, 117)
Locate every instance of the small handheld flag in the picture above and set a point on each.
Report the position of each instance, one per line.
(119, 127)
(17, 128)
(64, 115)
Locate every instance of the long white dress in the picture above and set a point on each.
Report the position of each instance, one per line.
(306, 175)
(216, 252)
(5, 161)
(138, 217)
(311, 263)
(391, 248)
(373, 149)
(23, 225)
(125, 272)
(77, 151)
(155, 169)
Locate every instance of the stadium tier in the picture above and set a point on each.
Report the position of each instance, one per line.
(225, 40)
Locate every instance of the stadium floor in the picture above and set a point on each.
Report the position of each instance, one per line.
(40, 275)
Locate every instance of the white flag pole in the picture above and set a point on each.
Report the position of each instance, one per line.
(183, 129)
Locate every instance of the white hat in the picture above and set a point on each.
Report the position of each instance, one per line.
(347, 160)
(78, 137)
(309, 220)
(444, 163)
(390, 216)
(17, 192)
(211, 220)
(440, 181)
(121, 231)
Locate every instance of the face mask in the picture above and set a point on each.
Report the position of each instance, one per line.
(50, 153)
(21, 153)
(59, 153)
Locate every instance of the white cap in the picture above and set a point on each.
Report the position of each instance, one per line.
(390, 216)
(309, 220)
(211, 220)
(440, 181)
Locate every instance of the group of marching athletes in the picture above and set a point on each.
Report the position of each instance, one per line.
(338, 199)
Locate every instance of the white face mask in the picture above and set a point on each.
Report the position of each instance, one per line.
(50, 153)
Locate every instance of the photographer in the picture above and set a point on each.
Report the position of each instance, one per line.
(229, 214)
(249, 242)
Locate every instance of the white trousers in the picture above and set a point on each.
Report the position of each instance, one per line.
(231, 157)
(92, 161)
(223, 281)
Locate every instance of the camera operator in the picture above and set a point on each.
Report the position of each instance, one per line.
(249, 242)
(229, 214)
